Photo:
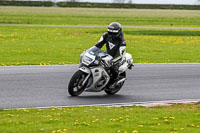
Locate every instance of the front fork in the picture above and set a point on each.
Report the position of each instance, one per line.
(87, 71)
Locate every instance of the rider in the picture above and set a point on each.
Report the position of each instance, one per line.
(115, 46)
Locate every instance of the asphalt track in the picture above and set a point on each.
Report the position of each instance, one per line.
(45, 86)
(86, 26)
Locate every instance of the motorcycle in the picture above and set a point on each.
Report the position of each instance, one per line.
(94, 74)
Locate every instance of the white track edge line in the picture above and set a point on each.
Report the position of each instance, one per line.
(119, 104)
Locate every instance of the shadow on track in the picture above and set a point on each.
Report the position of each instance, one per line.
(103, 99)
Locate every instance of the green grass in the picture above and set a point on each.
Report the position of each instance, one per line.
(49, 45)
(95, 16)
(176, 118)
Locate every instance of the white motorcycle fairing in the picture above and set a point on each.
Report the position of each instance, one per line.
(128, 62)
(98, 78)
(93, 74)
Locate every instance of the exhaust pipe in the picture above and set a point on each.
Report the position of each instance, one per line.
(121, 80)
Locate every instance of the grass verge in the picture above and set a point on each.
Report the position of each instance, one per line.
(96, 16)
(50, 45)
(176, 118)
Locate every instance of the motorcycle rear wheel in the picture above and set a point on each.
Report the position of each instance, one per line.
(111, 91)
(75, 87)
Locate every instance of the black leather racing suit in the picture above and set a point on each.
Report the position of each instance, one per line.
(114, 47)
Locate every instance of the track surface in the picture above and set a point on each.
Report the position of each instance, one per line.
(82, 26)
(44, 86)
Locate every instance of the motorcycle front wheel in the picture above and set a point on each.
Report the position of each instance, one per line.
(75, 87)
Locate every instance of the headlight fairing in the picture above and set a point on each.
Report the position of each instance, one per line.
(86, 60)
(89, 59)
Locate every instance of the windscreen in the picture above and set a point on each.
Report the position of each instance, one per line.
(97, 52)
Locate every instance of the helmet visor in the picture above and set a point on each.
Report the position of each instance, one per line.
(113, 33)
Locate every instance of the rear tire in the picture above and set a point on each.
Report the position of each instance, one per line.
(112, 91)
(75, 87)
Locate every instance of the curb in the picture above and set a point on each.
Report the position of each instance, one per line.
(143, 104)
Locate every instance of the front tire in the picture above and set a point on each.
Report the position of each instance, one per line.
(75, 87)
